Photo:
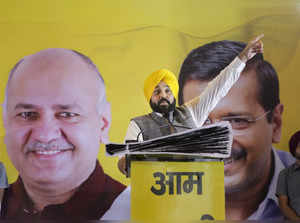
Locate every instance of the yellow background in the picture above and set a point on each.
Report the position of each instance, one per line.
(128, 39)
(148, 207)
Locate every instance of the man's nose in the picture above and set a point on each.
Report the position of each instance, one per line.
(45, 130)
(163, 94)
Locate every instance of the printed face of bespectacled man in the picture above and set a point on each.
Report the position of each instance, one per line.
(250, 163)
(53, 125)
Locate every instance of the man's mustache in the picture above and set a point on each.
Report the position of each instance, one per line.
(162, 100)
(58, 144)
(236, 154)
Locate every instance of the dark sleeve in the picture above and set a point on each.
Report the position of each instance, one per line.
(3, 177)
(282, 183)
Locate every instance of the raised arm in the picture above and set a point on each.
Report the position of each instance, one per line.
(201, 106)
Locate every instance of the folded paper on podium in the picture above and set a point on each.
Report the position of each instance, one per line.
(209, 141)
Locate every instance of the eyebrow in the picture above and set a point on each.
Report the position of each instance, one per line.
(24, 106)
(56, 107)
(66, 106)
(235, 114)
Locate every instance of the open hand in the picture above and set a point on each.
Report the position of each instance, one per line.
(253, 47)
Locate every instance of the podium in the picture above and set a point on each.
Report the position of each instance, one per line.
(178, 177)
(175, 189)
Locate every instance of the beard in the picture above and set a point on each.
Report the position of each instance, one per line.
(163, 109)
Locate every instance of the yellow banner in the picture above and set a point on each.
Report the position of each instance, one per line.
(177, 191)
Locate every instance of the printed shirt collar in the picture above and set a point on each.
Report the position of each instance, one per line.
(88, 191)
(271, 197)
